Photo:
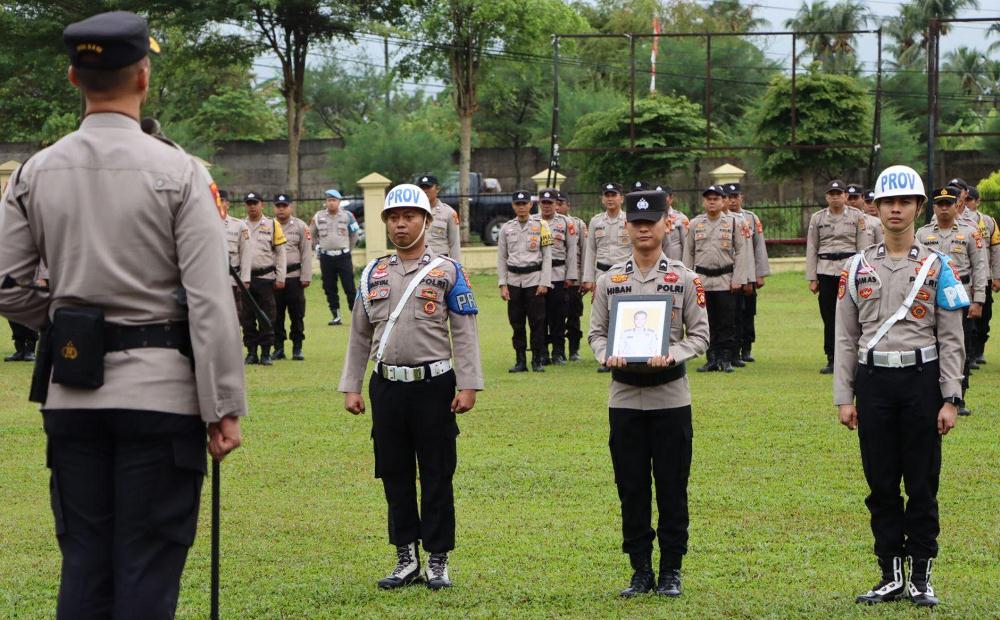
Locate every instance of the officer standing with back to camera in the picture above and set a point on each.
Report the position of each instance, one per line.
(898, 382)
(416, 311)
(524, 274)
(718, 248)
(574, 296)
(335, 232)
(445, 236)
(649, 404)
(238, 245)
(267, 275)
(565, 239)
(746, 304)
(835, 234)
(126, 471)
(965, 247)
(298, 276)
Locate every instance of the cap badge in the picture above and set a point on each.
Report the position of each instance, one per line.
(642, 205)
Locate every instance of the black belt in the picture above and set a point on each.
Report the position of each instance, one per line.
(649, 379)
(966, 279)
(603, 266)
(293, 267)
(522, 270)
(836, 255)
(256, 273)
(558, 263)
(161, 336)
(708, 271)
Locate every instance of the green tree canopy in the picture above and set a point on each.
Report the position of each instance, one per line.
(660, 121)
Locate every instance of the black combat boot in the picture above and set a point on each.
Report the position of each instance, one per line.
(437, 571)
(407, 568)
(669, 583)
(559, 357)
(920, 590)
(265, 356)
(336, 318)
(543, 359)
(251, 356)
(537, 363)
(297, 351)
(521, 365)
(603, 369)
(574, 351)
(643, 579)
(745, 354)
(711, 363)
(29, 351)
(736, 359)
(828, 369)
(725, 364)
(279, 353)
(892, 587)
(18, 354)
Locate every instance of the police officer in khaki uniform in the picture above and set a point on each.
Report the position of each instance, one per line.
(835, 234)
(445, 236)
(990, 234)
(873, 225)
(267, 274)
(649, 402)
(238, 244)
(898, 361)
(298, 276)
(524, 274)
(965, 247)
(416, 311)
(565, 240)
(574, 296)
(746, 305)
(608, 243)
(677, 227)
(718, 248)
(124, 418)
(335, 232)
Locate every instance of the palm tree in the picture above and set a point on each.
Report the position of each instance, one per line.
(734, 16)
(991, 81)
(996, 44)
(908, 30)
(836, 51)
(969, 65)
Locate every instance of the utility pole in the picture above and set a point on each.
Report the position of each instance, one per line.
(388, 83)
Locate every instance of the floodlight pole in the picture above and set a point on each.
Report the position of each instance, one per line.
(554, 149)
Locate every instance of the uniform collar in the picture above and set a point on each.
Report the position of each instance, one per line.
(426, 258)
(109, 120)
(662, 266)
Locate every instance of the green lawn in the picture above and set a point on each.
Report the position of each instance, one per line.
(778, 524)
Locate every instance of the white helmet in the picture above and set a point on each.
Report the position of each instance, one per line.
(899, 181)
(405, 196)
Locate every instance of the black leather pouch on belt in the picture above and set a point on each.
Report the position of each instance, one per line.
(76, 338)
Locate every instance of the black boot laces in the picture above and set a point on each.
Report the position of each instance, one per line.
(436, 565)
(404, 560)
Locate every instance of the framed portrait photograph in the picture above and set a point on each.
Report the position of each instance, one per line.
(640, 327)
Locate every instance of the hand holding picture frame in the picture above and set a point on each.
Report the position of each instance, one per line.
(639, 327)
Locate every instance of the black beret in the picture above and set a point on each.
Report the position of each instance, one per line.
(521, 196)
(252, 197)
(550, 195)
(714, 189)
(109, 41)
(427, 180)
(854, 189)
(646, 205)
(732, 189)
(836, 185)
(611, 187)
(282, 199)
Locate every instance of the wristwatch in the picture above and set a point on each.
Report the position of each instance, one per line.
(952, 399)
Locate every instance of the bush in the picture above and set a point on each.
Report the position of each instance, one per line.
(989, 193)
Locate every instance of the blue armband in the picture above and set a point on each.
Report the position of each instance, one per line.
(460, 297)
(951, 293)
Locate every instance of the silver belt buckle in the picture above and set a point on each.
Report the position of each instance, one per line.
(418, 374)
(894, 359)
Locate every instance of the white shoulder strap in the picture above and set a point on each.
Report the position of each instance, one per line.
(414, 283)
(905, 307)
(852, 274)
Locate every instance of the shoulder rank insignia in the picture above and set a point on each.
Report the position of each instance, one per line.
(618, 278)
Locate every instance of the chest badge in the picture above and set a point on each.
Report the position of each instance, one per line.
(619, 278)
(919, 311)
(671, 277)
(430, 307)
(865, 292)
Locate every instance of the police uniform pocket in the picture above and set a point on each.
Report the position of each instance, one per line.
(429, 304)
(869, 301)
(439, 230)
(378, 308)
(174, 506)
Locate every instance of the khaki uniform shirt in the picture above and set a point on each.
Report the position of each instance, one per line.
(334, 231)
(880, 298)
(688, 327)
(581, 249)
(673, 241)
(238, 244)
(873, 230)
(437, 323)
(608, 244)
(445, 237)
(987, 228)
(829, 233)
(719, 243)
(524, 245)
(967, 252)
(758, 244)
(124, 222)
(297, 249)
(268, 247)
(565, 241)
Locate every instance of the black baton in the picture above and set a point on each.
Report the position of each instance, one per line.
(215, 541)
(248, 296)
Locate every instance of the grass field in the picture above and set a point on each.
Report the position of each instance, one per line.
(778, 524)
